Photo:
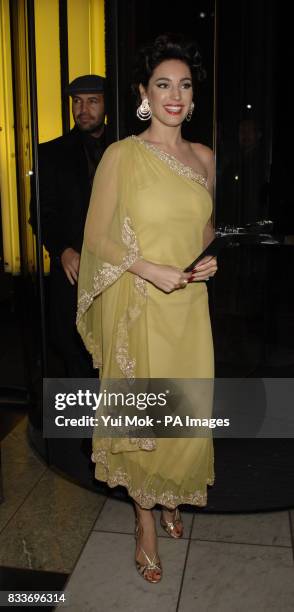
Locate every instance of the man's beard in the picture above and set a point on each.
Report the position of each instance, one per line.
(90, 129)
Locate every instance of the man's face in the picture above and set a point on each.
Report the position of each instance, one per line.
(88, 111)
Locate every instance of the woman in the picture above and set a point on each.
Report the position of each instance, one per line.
(139, 314)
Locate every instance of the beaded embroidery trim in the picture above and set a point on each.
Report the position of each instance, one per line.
(109, 273)
(174, 163)
(146, 498)
(103, 278)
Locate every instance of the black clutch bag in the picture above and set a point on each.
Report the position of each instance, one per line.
(213, 249)
(227, 239)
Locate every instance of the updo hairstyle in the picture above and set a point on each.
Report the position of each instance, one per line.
(166, 47)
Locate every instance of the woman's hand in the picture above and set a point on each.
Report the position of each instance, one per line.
(205, 268)
(166, 278)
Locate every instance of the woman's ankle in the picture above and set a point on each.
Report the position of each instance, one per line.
(143, 513)
(170, 510)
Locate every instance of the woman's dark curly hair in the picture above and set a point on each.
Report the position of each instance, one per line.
(165, 47)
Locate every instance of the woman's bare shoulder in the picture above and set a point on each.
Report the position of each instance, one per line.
(206, 157)
(205, 153)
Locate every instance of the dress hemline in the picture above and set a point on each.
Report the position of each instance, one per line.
(148, 499)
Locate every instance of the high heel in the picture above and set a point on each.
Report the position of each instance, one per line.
(151, 566)
(169, 526)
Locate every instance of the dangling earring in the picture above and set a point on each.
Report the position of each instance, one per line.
(190, 112)
(144, 111)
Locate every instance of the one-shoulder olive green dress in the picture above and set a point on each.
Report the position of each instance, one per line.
(145, 203)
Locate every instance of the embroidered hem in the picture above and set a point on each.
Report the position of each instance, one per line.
(149, 498)
(108, 273)
(126, 363)
(103, 278)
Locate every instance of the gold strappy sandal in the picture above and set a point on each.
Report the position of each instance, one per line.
(169, 526)
(151, 565)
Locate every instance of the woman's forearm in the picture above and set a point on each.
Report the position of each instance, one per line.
(142, 268)
(164, 277)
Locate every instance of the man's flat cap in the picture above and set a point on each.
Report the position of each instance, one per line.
(88, 83)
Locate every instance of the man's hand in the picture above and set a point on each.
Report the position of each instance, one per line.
(70, 260)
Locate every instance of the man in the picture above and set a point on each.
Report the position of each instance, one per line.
(67, 167)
